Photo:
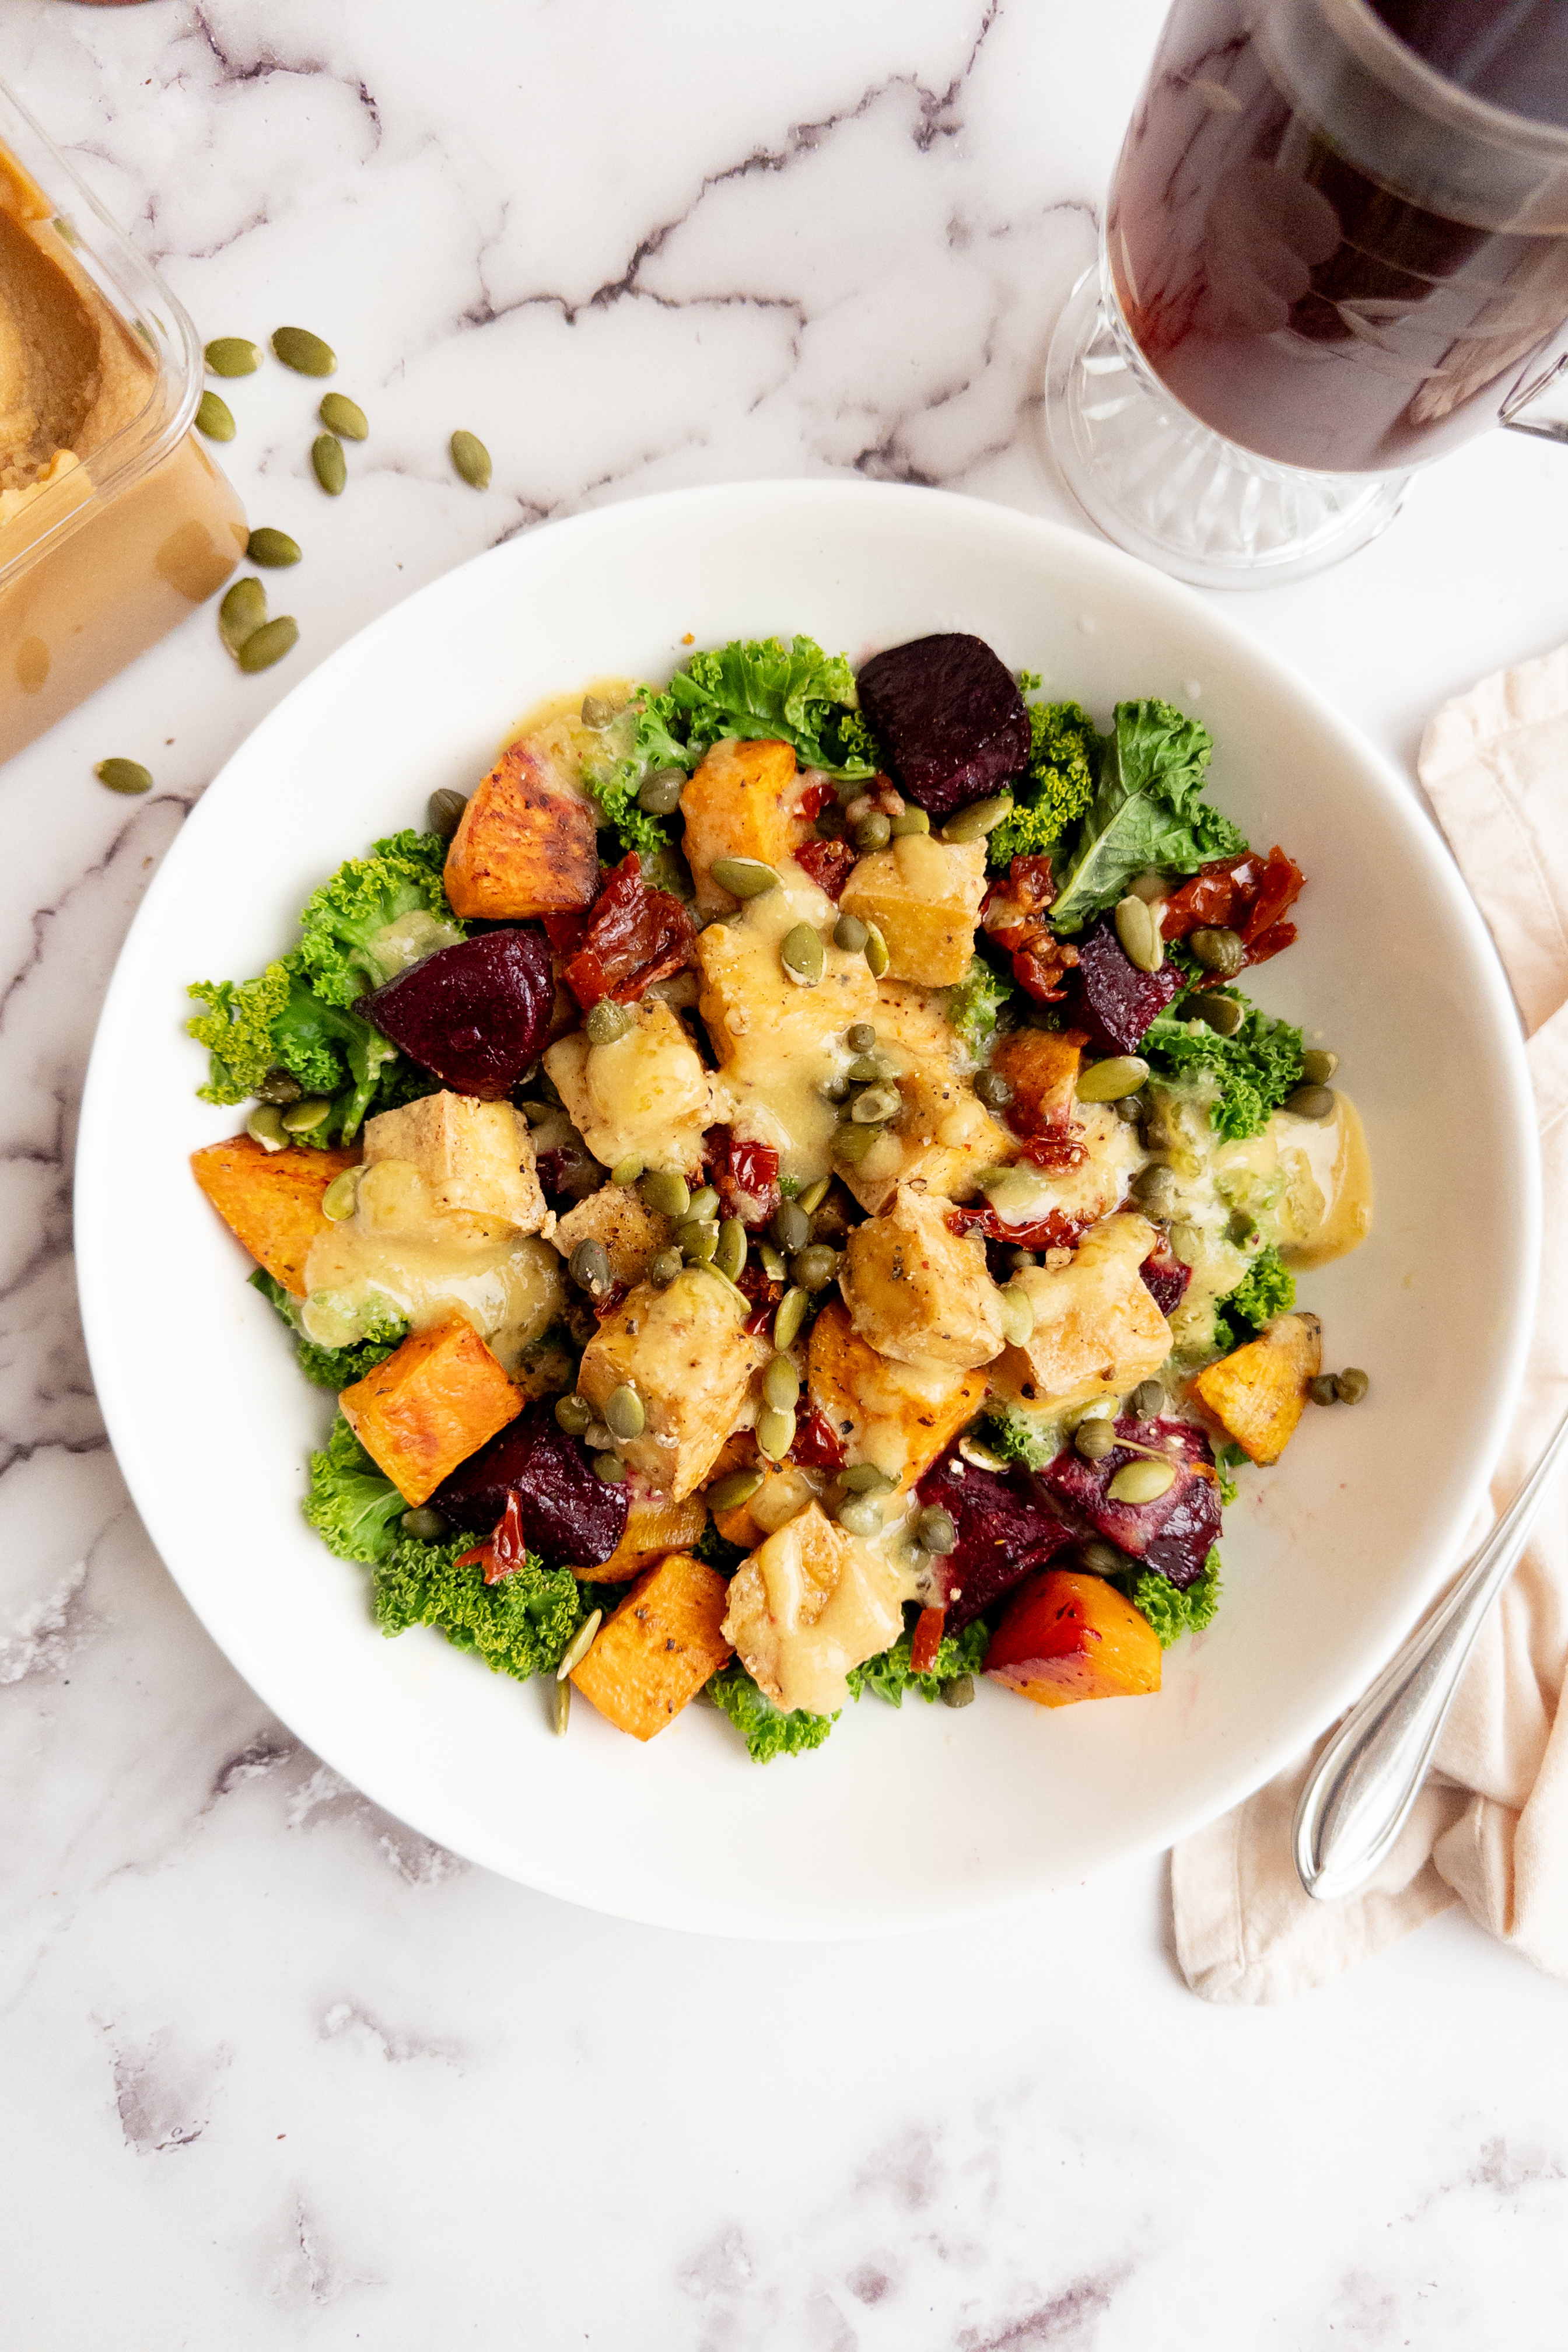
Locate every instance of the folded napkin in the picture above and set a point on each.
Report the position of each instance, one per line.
(1490, 1826)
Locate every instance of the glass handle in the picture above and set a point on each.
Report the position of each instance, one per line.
(1551, 422)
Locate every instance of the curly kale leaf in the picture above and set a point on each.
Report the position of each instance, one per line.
(891, 1675)
(278, 1022)
(1268, 1288)
(237, 1030)
(1148, 811)
(344, 943)
(766, 1729)
(718, 1551)
(1056, 788)
(1174, 1613)
(973, 1005)
(519, 1625)
(763, 689)
(352, 1507)
(1013, 1436)
(335, 1367)
(1256, 1069)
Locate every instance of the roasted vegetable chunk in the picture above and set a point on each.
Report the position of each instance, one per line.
(569, 1513)
(633, 1235)
(741, 803)
(924, 896)
(1004, 1526)
(687, 1354)
(270, 1200)
(943, 1138)
(1098, 1331)
(914, 1289)
(898, 1416)
(655, 1527)
(635, 935)
(433, 1402)
(475, 1155)
(810, 1603)
(645, 1093)
(1042, 1067)
(658, 1649)
(1110, 998)
(1257, 1392)
(525, 844)
(1070, 1637)
(759, 1020)
(474, 1016)
(952, 716)
(1175, 1531)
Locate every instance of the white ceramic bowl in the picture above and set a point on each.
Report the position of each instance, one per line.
(900, 1819)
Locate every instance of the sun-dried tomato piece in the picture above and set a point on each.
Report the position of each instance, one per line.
(926, 1640)
(764, 1294)
(565, 931)
(1055, 1148)
(744, 1175)
(815, 797)
(828, 862)
(1058, 1229)
(635, 935)
(1248, 894)
(818, 1445)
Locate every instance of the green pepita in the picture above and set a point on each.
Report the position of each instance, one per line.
(860, 1516)
(232, 355)
(305, 1117)
(242, 612)
(470, 460)
(268, 644)
(802, 955)
(666, 1191)
(851, 1143)
(582, 1641)
(1223, 1014)
(729, 1494)
(265, 1126)
(876, 1105)
(610, 1468)
(343, 416)
(812, 1199)
(781, 1384)
(703, 1203)
(1186, 1241)
(730, 1255)
(910, 820)
(771, 1262)
(329, 464)
(1017, 1314)
(775, 1432)
(789, 1317)
(664, 1268)
(697, 1239)
(623, 1415)
(273, 548)
(743, 877)
(124, 775)
(560, 1709)
(792, 1226)
(1138, 930)
(850, 933)
(306, 354)
(214, 418)
(876, 951)
(1141, 1482)
(628, 1171)
(338, 1199)
(1108, 1081)
(589, 1266)
(980, 818)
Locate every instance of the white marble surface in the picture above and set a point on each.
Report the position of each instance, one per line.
(276, 2072)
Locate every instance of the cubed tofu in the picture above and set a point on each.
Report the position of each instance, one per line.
(436, 1400)
(916, 1020)
(923, 895)
(1098, 1331)
(687, 1353)
(474, 1155)
(768, 1031)
(1075, 1197)
(526, 844)
(810, 1603)
(645, 1095)
(658, 1649)
(655, 1527)
(270, 1200)
(944, 1138)
(917, 1290)
(1041, 1067)
(633, 1235)
(1067, 1636)
(898, 1416)
(741, 803)
(1257, 1392)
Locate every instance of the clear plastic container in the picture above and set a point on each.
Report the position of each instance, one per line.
(115, 521)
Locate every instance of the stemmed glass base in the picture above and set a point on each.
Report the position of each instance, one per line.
(1168, 489)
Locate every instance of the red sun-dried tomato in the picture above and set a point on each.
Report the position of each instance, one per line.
(817, 1444)
(744, 1175)
(634, 937)
(1013, 915)
(764, 1294)
(926, 1640)
(1248, 894)
(1055, 1229)
(815, 797)
(506, 1550)
(1056, 1149)
(828, 862)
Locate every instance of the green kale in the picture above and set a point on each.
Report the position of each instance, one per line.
(763, 689)
(592, 1596)
(345, 946)
(333, 1368)
(1147, 810)
(891, 1675)
(278, 1022)
(718, 1551)
(1174, 1613)
(765, 1728)
(851, 744)
(354, 1509)
(1268, 1288)
(1015, 1438)
(1256, 1069)
(1056, 787)
(616, 780)
(519, 1625)
(973, 1005)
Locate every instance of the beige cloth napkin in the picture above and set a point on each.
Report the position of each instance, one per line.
(1491, 1827)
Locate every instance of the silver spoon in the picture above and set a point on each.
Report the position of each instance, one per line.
(1360, 1791)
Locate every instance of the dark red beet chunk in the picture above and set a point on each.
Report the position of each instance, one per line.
(1004, 1531)
(475, 1014)
(1110, 998)
(1166, 1277)
(1172, 1534)
(570, 1516)
(951, 716)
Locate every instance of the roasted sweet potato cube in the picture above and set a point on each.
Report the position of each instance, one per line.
(526, 843)
(476, 1156)
(924, 898)
(1041, 1065)
(436, 1401)
(916, 1290)
(1066, 1635)
(658, 1649)
(687, 1353)
(1257, 1392)
(655, 1527)
(741, 803)
(898, 1416)
(270, 1200)
(633, 1234)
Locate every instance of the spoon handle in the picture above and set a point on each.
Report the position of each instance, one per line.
(1360, 1793)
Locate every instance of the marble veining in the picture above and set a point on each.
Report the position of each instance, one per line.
(306, 2078)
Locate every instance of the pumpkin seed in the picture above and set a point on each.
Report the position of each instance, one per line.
(560, 1708)
(124, 775)
(330, 465)
(980, 818)
(628, 1171)
(852, 1143)
(1138, 933)
(1141, 1482)
(865, 1478)
(659, 795)
(574, 1415)
(860, 1516)
(980, 1455)
(1101, 1559)
(664, 1268)
(698, 1238)
(873, 832)
(268, 644)
(582, 1641)
(232, 355)
(1186, 1241)
(780, 1383)
(703, 1203)
(1108, 1081)
(802, 955)
(771, 1262)
(666, 1191)
(1312, 1102)
(876, 1104)
(1318, 1068)
(610, 1468)
(959, 1692)
(343, 416)
(850, 933)
(274, 548)
(1351, 1385)
(812, 1199)
(791, 1315)
(1224, 1015)
(792, 1226)
(910, 820)
(214, 418)
(265, 1126)
(814, 1268)
(338, 1199)
(624, 1412)
(1321, 1391)
(775, 1432)
(935, 1529)
(1145, 1401)
(743, 877)
(424, 1525)
(730, 1255)
(1017, 1314)
(1094, 1438)
(870, 1069)
(444, 812)
(470, 460)
(1218, 950)
(242, 612)
(589, 1266)
(728, 1494)
(1149, 886)
(876, 951)
(305, 1117)
(993, 1090)
(606, 1021)
(306, 354)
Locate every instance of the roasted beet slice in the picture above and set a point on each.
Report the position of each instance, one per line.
(1004, 1528)
(570, 1516)
(1172, 1534)
(475, 1014)
(1165, 1277)
(1110, 998)
(951, 716)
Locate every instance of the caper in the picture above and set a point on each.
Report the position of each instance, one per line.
(876, 1104)
(814, 1268)
(612, 1470)
(703, 1202)
(802, 955)
(1240, 1227)
(1101, 1559)
(536, 1113)
(698, 1238)
(730, 1255)
(659, 795)
(1094, 1438)
(729, 1494)
(910, 820)
(589, 1266)
(994, 1090)
(781, 1384)
(1351, 1385)
(1145, 1401)
(1318, 1067)
(835, 1089)
(424, 1525)
(470, 459)
(664, 1268)
(935, 1529)
(850, 933)
(1224, 1015)
(624, 1412)
(304, 1117)
(959, 1692)
(306, 354)
(265, 1126)
(328, 463)
(1141, 1482)
(980, 818)
(444, 812)
(860, 1516)
(866, 1069)
(1218, 950)
(792, 1226)
(812, 1199)
(775, 1432)
(1310, 1102)
(232, 355)
(606, 1021)
(1122, 1074)
(743, 877)
(876, 951)
(1186, 1241)
(343, 416)
(574, 1415)
(666, 1191)
(279, 1087)
(124, 775)
(1017, 1314)
(214, 418)
(268, 644)
(873, 832)
(1127, 1109)
(338, 1199)
(1321, 1391)
(852, 1143)
(789, 1317)
(273, 548)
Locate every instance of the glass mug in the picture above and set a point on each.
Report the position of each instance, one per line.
(1336, 244)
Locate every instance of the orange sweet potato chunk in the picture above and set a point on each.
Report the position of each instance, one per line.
(740, 803)
(270, 1200)
(1257, 1392)
(1041, 1065)
(655, 1527)
(1067, 1636)
(899, 1416)
(525, 844)
(437, 1400)
(661, 1645)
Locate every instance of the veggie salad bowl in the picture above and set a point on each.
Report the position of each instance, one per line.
(806, 1127)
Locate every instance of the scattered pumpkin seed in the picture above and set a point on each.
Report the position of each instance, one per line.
(851, 1143)
(812, 1199)
(330, 465)
(850, 933)
(876, 951)
(704, 1201)
(424, 1524)
(1321, 1391)
(242, 612)
(1149, 886)
(274, 548)
(124, 775)
(775, 1432)
(1351, 1385)
(815, 1267)
(574, 1415)
(610, 1468)
(802, 955)
(304, 1117)
(959, 1692)
(1108, 1081)
(470, 460)
(306, 354)
(628, 1171)
(662, 1272)
(1017, 1314)
(910, 820)
(338, 1199)
(730, 1255)
(792, 1226)
(1218, 950)
(598, 1437)
(771, 1262)
(560, 1709)
(343, 416)
(993, 1090)
(623, 1413)
(980, 818)
(1141, 1482)
(265, 1126)
(876, 1104)
(1094, 1438)
(873, 832)
(604, 1022)
(1139, 932)
(781, 1384)
(582, 1641)
(1223, 1014)
(214, 418)
(444, 812)
(728, 1494)
(1186, 1242)
(666, 1191)
(935, 1532)
(980, 1455)
(589, 1266)
(268, 644)
(1101, 1559)
(232, 355)
(1312, 1102)
(1318, 1068)
(860, 1516)
(743, 877)
(698, 1238)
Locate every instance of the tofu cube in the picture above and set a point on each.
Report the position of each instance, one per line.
(741, 803)
(944, 1138)
(633, 1235)
(923, 895)
(270, 1200)
(661, 1645)
(1098, 1331)
(687, 1353)
(526, 844)
(916, 1290)
(898, 1416)
(477, 1155)
(767, 1031)
(810, 1603)
(648, 1093)
(436, 1401)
